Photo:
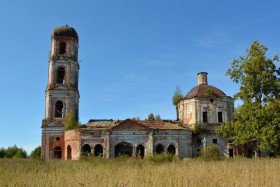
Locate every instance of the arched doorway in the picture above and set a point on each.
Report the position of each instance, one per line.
(98, 150)
(159, 149)
(86, 150)
(69, 152)
(140, 151)
(123, 148)
(57, 153)
(171, 149)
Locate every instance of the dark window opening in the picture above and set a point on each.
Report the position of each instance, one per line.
(69, 152)
(57, 138)
(230, 151)
(204, 116)
(198, 141)
(198, 152)
(86, 150)
(220, 117)
(140, 151)
(98, 150)
(171, 149)
(211, 100)
(159, 149)
(57, 153)
(59, 109)
(123, 149)
(215, 141)
(61, 75)
(62, 48)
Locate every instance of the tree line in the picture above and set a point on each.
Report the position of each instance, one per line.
(18, 152)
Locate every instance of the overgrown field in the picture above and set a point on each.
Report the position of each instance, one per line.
(132, 172)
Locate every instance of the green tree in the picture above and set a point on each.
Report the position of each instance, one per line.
(2, 152)
(15, 152)
(36, 153)
(258, 77)
(270, 133)
(177, 97)
(151, 116)
(71, 122)
(157, 117)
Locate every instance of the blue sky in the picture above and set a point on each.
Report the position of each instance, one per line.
(132, 54)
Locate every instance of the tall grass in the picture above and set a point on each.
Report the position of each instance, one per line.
(134, 172)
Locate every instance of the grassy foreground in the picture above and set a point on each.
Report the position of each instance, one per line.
(132, 172)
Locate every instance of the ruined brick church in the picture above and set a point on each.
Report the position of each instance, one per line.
(204, 106)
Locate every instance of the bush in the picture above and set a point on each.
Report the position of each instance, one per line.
(164, 157)
(15, 152)
(212, 153)
(36, 153)
(2, 153)
(70, 122)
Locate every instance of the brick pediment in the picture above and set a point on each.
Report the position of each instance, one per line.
(129, 124)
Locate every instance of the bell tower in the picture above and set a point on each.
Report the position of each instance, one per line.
(62, 94)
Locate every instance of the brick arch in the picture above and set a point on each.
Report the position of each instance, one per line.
(171, 149)
(98, 150)
(159, 148)
(140, 151)
(124, 148)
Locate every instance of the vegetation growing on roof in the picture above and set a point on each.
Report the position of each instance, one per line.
(177, 97)
(70, 122)
(209, 92)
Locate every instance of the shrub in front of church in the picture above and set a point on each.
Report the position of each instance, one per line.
(163, 157)
(211, 153)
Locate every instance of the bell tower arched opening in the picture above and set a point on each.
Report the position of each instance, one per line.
(62, 48)
(58, 109)
(60, 75)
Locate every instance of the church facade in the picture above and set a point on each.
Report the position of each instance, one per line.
(201, 111)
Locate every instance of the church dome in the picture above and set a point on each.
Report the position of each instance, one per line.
(204, 89)
(65, 31)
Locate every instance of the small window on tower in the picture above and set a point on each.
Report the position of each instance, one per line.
(220, 117)
(59, 109)
(60, 75)
(62, 48)
(204, 116)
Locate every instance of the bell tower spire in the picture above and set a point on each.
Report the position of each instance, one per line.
(62, 93)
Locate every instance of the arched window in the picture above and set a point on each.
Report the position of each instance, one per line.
(62, 48)
(60, 75)
(58, 109)
(171, 149)
(98, 150)
(86, 150)
(69, 152)
(159, 149)
(57, 152)
(140, 151)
